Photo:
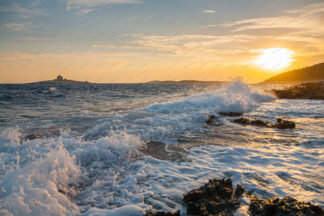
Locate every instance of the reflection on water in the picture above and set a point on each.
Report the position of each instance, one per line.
(90, 155)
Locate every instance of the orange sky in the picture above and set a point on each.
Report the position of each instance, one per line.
(208, 43)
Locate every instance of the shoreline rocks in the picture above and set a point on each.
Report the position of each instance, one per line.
(218, 197)
(215, 197)
(280, 123)
(311, 90)
(284, 206)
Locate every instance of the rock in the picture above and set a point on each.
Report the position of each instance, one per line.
(161, 151)
(210, 119)
(285, 206)
(31, 136)
(239, 190)
(215, 197)
(230, 113)
(310, 90)
(280, 124)
(163, 213)
(155, 149)
(256, 122)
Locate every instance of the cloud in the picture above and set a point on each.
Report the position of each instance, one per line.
(18, 26)
(22, 12)
(209, 11)
(302, 19)
(72, 4)
(301, 28)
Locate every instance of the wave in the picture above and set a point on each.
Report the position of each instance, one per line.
(67, 175)
(161, 120)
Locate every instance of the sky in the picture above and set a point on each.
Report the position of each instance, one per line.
(127, 41)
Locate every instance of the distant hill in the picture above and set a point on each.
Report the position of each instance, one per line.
(312, 73)
(60, 79)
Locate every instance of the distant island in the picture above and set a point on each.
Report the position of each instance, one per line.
(307, 74)
(60, 79)
(186, 81)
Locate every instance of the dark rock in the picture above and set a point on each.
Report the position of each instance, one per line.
(311, 90)
(210, 119)
(163, 213)
(230, 113)
(285, 206)
(256, 122)
(239, 190)
(280, 124)
(31, 136)
(215, 197)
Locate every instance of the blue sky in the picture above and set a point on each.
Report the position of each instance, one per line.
(166, 32)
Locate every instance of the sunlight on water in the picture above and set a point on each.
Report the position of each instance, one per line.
(87, 157)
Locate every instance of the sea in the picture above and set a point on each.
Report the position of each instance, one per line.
(82, 148)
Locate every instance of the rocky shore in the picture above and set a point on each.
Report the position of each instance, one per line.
(310, 90)
(218, 197)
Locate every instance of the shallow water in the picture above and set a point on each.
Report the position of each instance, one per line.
(88, 159)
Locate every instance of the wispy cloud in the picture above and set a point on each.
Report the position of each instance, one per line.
(22, 12)
(18, 26)
(72, 4)
(307, 18)
(209, 11)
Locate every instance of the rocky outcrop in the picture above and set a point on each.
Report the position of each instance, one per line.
(312, 90)
(280, 124)
(285, 206)
(216, 197)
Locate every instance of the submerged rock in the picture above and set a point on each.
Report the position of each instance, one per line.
(257, 122)
(215, 197)
(285, 206)
(161, 151)
(163, 213)
(32, 136)
(210, 119)
(230, 113)
(280, 124)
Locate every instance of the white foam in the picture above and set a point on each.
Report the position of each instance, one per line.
(34, 189)
(107, 175)
(188, 114)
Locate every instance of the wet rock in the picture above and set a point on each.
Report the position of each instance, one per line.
(210, 119)
(285, 206)
(32, 136)
(163, 213)
(155, 149)
(257, 122)
(160, 151)
(239, 190)
(230, 113)
(214, 198)
(280, 124)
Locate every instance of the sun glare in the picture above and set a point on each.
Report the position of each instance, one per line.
(274, 58)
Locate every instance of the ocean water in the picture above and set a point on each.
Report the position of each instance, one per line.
(88, 159)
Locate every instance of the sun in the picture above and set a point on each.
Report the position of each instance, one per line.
(274, 58)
